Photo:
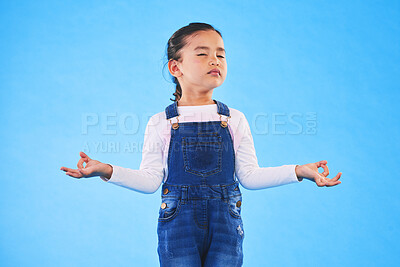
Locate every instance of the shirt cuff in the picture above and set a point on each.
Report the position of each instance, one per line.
(293, 174)
(114, 174)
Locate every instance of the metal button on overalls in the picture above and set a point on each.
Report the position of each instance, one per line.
(200, 222)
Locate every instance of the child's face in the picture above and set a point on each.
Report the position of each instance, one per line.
(195, 63)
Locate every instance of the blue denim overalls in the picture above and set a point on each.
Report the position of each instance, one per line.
(199, 221)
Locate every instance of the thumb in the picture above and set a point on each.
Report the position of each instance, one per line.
(89, 171)
(84, 171)
(83, 155)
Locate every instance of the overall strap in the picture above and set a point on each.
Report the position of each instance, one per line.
(222, 108)
(172, 110)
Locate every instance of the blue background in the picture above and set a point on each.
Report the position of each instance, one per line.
(62, 61)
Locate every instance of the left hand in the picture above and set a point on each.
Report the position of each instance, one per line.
(310, 171)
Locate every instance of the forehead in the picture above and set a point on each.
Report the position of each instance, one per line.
(204, 38)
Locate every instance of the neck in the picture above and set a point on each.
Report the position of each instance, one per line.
(195, 102)
(195, 96)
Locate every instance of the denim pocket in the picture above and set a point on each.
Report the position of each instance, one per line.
(169, 208)
(235, 205)
(202, 154)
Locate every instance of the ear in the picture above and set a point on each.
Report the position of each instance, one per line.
(174, 68)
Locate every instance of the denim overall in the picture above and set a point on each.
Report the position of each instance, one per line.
(199, 221)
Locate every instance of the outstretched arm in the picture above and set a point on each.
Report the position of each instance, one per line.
(247, 170)
(145, 180)
(252, 176)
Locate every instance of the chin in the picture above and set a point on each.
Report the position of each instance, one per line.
(215, 85)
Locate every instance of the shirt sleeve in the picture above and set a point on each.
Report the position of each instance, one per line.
(148, 178)
(250, 174)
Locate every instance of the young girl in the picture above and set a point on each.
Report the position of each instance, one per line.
(196, 147)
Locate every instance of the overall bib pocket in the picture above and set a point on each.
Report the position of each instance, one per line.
(169, 208)
(234, 205)
(202, 154)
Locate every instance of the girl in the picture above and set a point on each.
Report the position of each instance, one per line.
(196, 147)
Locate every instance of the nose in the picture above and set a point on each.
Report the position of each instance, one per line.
(214, 60)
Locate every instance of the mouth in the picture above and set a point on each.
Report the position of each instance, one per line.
(215, 72)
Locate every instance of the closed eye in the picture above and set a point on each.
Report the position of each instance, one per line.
(206, 54)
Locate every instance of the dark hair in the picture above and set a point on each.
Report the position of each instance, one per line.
(177, 41)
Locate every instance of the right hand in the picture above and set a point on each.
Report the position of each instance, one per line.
(92, 168)
(310, 171)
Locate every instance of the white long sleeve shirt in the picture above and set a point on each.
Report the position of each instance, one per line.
(153, 169)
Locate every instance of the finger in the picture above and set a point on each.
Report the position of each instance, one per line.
(86, 172)
(337, 177)
(74, 173)
(324, 180)
(83, 155)
(82, 171)
(326, 170)
(319, 163)
(66, 169)
(81, 161)
(320, 181)
(333, 183)
(71, 172)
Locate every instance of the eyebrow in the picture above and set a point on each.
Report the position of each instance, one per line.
(207, 48)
